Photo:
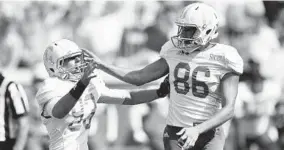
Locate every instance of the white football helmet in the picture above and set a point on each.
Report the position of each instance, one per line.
(197, 25)
(60, 52)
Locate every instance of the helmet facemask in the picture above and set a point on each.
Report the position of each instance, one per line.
(72, 66)
(191, 37)
(187, 37)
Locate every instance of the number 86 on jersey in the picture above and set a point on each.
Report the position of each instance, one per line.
(185, 80)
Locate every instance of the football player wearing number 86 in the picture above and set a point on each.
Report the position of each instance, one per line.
(203, 78)
(68, 98)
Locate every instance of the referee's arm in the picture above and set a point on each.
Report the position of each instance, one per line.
(20, 110)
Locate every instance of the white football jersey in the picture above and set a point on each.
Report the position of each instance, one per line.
(195, 78)
(70, 132)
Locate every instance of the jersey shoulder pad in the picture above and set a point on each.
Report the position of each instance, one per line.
(46, 91)
(234, 61)
(165, 48)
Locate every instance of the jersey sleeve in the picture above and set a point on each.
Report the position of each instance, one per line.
(19, 101)
(234, 62)
(47, 98)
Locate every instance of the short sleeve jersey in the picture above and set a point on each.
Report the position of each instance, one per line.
(195, 79)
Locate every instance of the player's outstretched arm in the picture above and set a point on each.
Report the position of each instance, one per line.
(124, 97)
(229, 87)
(63, 106)
(139, 77)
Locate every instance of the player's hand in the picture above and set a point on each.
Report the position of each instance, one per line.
(164, 88)
(188, 137)
(88, 73)
(91, 56)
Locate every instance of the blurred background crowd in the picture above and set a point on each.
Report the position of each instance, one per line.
(130, 34)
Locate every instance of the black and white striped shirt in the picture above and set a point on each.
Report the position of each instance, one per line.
(13, 104)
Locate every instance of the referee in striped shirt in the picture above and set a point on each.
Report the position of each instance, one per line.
(13, 115)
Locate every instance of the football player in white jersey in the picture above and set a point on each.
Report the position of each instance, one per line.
(203, 80)
(68, 98)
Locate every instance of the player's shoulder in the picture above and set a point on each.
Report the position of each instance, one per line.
(45, 88)
(230, 53)
(226, 49)
(168, 45)
(229, 57)
(49, 83)
(166, 48)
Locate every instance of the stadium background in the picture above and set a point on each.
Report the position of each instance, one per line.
(129, 34)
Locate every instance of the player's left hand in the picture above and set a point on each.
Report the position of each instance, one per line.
(188, 137)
